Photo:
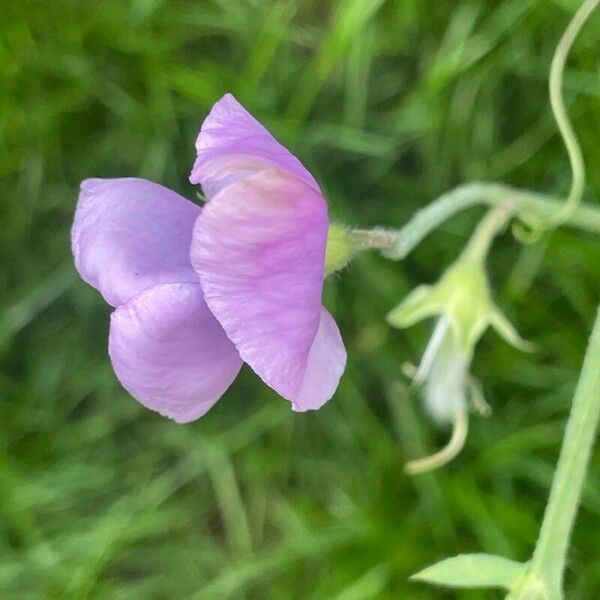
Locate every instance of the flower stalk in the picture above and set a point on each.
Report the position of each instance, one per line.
(479, 245)
(398, 244)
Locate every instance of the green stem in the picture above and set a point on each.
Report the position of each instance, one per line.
(551, 550)
(399, 243)
(479, 244)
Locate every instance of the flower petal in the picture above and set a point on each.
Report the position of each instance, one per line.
(232, 144)
(446, 381)
(130, 234)
(170, 353)
(326, 363)
(259, 249)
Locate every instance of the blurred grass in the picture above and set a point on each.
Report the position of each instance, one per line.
(389, 103)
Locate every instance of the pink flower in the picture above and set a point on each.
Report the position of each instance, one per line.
(199, 291)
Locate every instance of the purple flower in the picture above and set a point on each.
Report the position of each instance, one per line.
(199, 291)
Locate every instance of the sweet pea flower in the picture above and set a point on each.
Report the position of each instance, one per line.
(199, 291)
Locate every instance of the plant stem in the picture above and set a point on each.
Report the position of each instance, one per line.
(397, 244)
(551, 550)
(492, 223)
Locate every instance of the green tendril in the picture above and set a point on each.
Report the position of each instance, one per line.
(560, 114)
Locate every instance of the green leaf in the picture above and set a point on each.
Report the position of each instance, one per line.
(472, 570)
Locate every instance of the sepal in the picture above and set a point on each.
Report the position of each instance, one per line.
(418, 305)
(341, 248)
(507, 331)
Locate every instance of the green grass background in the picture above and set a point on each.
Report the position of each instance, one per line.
(389, 103)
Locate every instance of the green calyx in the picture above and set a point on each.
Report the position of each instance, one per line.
(463, 296)
(344, 243)
(341, 248)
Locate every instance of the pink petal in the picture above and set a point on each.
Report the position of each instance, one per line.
(130, 234)
(232, 144)
(259, 249)
(170, 353)
(326, 363)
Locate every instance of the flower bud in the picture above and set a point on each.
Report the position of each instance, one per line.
(462, 301)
